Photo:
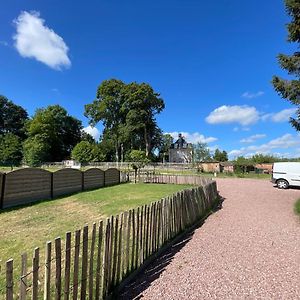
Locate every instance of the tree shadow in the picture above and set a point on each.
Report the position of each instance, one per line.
(135, 288)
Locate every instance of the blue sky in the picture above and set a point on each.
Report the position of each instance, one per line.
(211, 61)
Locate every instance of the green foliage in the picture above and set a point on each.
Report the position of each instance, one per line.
(12, 118)
(261, 159)
(297, 207)
(56, 130)
(290, 89)
(83, 152)
(10, 150)
(35, 151)
(87, 137)
(201, 152)
(127, 112)
(166, 141)
(138, 159)
(220, 155)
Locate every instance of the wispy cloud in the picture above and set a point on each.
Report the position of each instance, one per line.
(253, 138)
(35, 40)
(244, 115)
(93, 131)
(281, 116)
(193, 137)
(249, 95)
(287, 141)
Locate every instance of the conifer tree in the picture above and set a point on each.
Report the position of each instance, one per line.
(290, 89)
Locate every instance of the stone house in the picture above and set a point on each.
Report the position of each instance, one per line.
(181, 151)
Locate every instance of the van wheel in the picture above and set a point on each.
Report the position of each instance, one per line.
(282, 184)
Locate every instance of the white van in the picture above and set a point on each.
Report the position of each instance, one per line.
(286, 174)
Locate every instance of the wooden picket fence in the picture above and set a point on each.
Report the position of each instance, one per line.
(92, 262)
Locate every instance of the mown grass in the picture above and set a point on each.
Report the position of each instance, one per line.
(24, 228)
(297, 207)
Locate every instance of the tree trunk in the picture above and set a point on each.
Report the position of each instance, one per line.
(147, 144)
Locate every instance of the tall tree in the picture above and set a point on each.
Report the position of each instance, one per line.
(58, 131)
(143, 104)
(290, 89)
(220, 155)
(127, 112)
(201, 152)
(12, 118)
(110, 109)
(10, 150)
(165, 145)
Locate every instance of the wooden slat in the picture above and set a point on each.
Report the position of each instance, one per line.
(23, 278)
(98, 294)
(136, 264)
(106, 258)
(67, 266)
(127, 268)
(76, 264)
(57, 268)
(9, 280)
(115, 252)
(35, 273)
(125, 224)
(84, 266)
(91, 265)
(47, 284)
(111, 248)
(133, 241)
(120, 251)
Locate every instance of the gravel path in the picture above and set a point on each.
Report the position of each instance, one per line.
(250, 249)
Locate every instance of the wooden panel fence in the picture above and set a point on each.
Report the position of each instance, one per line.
(28, 185)
(92, 262)
(93, 178)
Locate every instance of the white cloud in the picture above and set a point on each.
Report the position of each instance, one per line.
(252, 138)
(93, 131)
(193, 137)
(282, 116)
(287, 141)
(35, 40)
(250, 95)
(244, 115)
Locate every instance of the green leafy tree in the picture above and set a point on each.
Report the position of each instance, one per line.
(10, 150)
(83, 152)
(201, 152)
(58, 131)
(241, 163)
(35, 151)
(138, 159)
(261, 159)
(127, 112)
(110, 109)
(220, 155)
(166, 142)
(290, 89)
(143, 104)
(12, 118)
(87, 137)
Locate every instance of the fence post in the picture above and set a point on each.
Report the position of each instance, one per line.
(2, 191)
(9, 280)
(23, 279)
(35, 273)
(47, 285)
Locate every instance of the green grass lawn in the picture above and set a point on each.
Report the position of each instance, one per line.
(24, 228)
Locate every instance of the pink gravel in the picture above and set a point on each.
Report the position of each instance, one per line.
(250, 249)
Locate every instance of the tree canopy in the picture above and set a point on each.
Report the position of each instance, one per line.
(127, 112)
(201, 152)
(220, 155)
(58, 131)
(12, 118)
(10, 150)
(290, 89)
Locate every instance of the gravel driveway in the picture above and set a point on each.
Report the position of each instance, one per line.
(250, 249)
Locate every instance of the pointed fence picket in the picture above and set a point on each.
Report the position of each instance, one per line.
(92, 262)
